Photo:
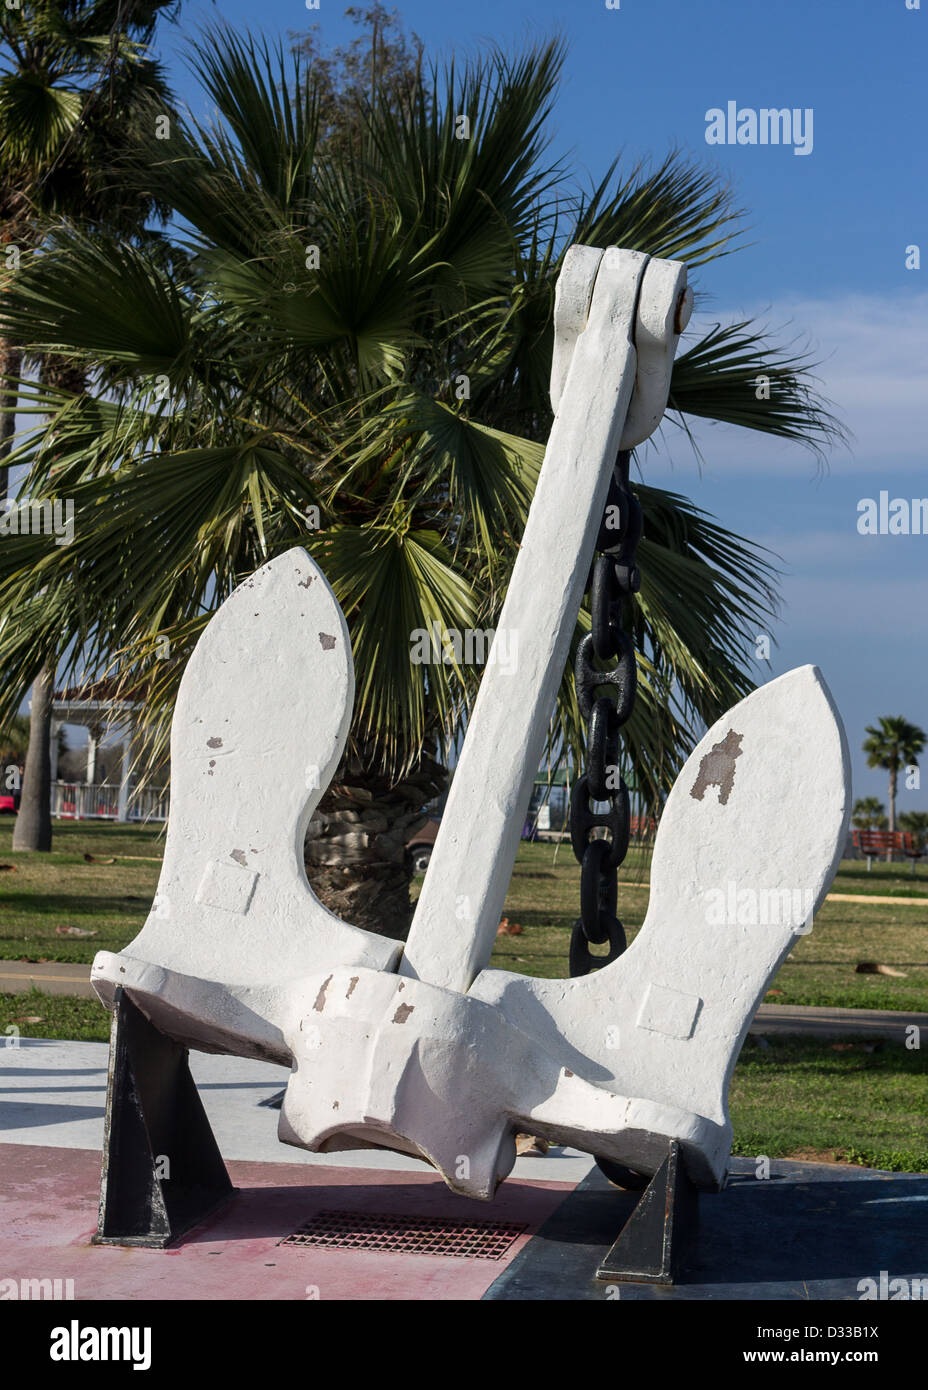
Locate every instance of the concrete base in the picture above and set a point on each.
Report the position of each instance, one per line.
(811, 1231)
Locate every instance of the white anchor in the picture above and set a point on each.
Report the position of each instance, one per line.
(424, 1050)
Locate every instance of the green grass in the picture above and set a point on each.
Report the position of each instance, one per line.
(894, 880)
(59, 1015)
(860, 1102)
(45, 891)
(112, 900)
(544, 892)
(794, 1098)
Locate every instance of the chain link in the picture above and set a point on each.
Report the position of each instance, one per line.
(613, 575)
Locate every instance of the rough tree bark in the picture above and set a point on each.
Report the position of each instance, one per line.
(356, 858)
(33, 830)
(34, 823)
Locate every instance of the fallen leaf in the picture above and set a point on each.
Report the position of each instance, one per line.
(872, 967)
(29, 1018)
(8, 869)
(774, 991)
(93, 859)
(531, 1146)
(73, 931)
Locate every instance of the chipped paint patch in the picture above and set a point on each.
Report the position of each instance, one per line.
(214, 743)
(320, 997)
(351, 985)
(403, 1013)
(327, 642)
(717, 768)
(239, 856)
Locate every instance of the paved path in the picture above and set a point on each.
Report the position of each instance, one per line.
(53, 977)
(53, 1093)
(875, 898)
(810, 1021)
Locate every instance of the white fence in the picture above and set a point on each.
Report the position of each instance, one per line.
(100, 801)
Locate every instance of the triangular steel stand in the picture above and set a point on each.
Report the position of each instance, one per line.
(162, 1169)
(653, 1241)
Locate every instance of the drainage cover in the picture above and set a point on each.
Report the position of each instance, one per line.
(407, 1235)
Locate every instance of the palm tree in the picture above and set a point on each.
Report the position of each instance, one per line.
(14, 740)
(351, 351)
(916, 823)
(72, 77)
(893, 744)
(869, 814)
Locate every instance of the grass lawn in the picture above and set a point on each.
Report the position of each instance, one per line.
(43, 892)
(860, 1102)
(543, 898)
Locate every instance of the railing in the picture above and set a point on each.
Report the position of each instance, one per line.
(100, 801)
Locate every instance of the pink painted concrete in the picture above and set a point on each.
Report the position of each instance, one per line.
(48, 1202)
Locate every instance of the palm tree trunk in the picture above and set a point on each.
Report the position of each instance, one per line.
(34, 825)
(33, 829)
(10, 367)
(892, 806)
(356, 859)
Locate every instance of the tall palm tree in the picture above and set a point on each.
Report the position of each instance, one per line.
(351, 351)
(869, 814)
(72, 77)
(893, 743)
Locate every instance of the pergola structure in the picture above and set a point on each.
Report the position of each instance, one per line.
(97, 708)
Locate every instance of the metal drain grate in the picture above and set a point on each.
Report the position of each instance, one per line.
(407, 1235)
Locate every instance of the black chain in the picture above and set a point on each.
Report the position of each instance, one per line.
(614, 575)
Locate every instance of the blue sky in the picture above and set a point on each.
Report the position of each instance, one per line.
(829, 233)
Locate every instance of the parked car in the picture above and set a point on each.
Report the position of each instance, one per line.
(419, 848)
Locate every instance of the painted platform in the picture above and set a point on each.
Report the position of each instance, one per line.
(48, 1200)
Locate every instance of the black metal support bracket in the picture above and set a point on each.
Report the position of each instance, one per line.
(162, 1169)
(653, 1241)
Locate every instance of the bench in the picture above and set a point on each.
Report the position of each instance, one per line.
(888, 842)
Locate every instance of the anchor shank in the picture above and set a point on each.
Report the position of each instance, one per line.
(458, 911)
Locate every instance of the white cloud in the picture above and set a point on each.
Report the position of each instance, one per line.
(873, 356)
